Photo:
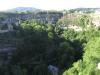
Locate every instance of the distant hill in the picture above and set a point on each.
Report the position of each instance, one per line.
(24, 9)
(87, 10)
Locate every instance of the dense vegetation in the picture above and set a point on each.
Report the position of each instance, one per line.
(39, 45)
(91, 58)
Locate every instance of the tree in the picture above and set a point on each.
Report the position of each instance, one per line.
(91, 58)
(84, 20)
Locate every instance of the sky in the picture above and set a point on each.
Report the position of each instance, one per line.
(49, 4)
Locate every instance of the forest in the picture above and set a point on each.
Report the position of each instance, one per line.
(40, 45)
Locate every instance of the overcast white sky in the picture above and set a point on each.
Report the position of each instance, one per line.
(48, 4)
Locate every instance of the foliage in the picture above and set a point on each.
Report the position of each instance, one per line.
(80, 20)
(69, 34)
(84, 20)
(91, 58)
(39, 45)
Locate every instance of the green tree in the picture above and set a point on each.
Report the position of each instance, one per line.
(91, 57)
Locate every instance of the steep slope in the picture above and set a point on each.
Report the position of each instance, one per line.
(7, 45)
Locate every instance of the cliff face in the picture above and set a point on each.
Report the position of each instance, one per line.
(42, 17)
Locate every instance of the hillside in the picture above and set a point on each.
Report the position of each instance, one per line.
(24, 9)
(87, 10)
